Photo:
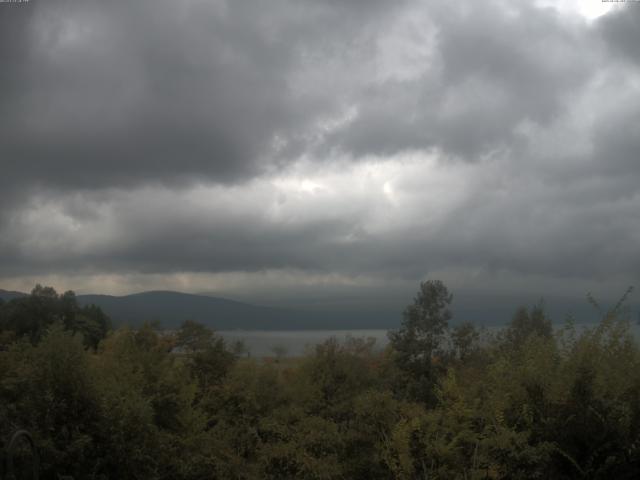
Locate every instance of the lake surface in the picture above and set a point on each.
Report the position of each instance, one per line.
(261, 343)
(292, 343)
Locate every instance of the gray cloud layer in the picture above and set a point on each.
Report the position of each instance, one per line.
(119, 94)
(373, 139)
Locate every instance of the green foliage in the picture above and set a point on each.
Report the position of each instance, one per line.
(465, 339)
(48, 389)
(207, 357)
(147, 404)
(193, 336)
(334, 375)
(420, 339)
(525, 323)
(31, 316)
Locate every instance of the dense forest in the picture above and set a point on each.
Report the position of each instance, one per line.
(440, 402)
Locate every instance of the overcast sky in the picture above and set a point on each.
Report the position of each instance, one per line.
(320, 150)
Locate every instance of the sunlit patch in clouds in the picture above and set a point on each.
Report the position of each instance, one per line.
(589, 9)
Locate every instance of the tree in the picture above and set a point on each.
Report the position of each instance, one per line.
(194, 336)
(92, 323)
(526, 323)
(419, 338)
(208, 358)
(465, 339)
(32, 315)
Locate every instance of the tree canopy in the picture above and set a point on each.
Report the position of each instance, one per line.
(419, 340)
(30, 316)
(529, 402)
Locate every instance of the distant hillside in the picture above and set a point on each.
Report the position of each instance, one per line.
(172, 308)
(8, 295)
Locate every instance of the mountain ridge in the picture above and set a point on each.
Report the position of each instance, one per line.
(7, 295)
(171, 308)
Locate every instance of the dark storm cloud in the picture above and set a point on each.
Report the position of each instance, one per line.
(493, 67)
(114, 94)
(617, 130)
(620, 29)
(160, 136)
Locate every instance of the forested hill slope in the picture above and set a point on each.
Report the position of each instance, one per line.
(7, 295)
(172, 308)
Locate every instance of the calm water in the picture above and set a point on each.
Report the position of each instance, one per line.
(297, 342)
